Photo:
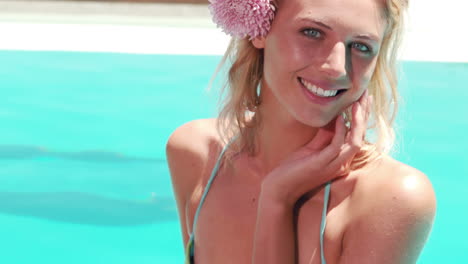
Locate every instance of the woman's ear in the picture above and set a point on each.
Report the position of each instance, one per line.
(259, 42)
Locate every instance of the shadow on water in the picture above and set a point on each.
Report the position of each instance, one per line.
(30, 152)
(81, 207)
(88, 209)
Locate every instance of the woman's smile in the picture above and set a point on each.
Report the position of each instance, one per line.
(318, 94)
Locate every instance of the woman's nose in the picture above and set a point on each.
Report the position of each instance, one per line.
(334, 64)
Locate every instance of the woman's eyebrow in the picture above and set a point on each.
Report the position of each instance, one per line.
(315, 21)
(366, 36)
(370, 37)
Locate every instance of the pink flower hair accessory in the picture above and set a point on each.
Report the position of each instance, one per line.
(241, 18)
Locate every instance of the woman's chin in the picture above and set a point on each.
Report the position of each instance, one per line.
(320, 121)
(316, 122)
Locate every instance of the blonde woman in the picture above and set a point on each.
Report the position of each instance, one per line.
(287, 173)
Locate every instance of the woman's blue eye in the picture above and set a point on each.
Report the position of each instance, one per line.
(312, 33)
(361, 47)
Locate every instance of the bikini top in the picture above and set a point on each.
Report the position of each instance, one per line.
(191, 243)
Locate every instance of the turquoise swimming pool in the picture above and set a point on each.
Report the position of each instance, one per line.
(83, 177)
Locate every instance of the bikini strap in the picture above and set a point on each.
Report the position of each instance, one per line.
(324, 220)
(208, 185)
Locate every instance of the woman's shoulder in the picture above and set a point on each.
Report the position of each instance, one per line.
(393, 209)
(189, 152)
(390, 183)
(393, 180)
(190, 147)
(193, 136)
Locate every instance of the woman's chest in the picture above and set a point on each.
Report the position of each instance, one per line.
(226, 225)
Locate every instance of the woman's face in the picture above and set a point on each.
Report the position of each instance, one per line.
(321, 44)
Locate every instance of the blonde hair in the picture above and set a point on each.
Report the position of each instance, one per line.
(237, 117)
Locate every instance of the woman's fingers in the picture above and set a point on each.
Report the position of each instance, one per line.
(323, 137)
(340, 133)
(333, 150)
(359, 125)
(361, 112)
(369, 106)
(337, 148)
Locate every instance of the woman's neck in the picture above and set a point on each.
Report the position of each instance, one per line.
(279, 135)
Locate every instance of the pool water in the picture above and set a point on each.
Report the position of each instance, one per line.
(83, 177)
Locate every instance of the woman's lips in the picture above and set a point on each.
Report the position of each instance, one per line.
(325, 85)
(318, 99)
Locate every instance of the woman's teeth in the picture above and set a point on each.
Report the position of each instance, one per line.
(319, 91)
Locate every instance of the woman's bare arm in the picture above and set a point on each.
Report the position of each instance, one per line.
(185, 155)
(274, 241)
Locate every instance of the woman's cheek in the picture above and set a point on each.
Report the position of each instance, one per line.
(291, 56)
(366, 80)
(369, 71)
(364, 75)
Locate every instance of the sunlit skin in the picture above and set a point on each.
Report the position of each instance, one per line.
(381, 213)
(320, 41)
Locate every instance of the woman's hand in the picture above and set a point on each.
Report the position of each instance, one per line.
(326, 157)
